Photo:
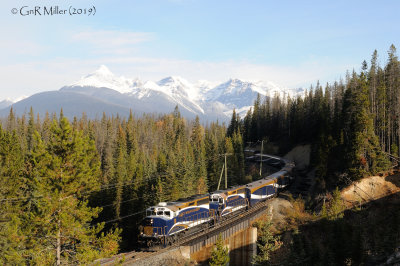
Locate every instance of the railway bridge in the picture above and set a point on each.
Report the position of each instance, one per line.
(237, 232)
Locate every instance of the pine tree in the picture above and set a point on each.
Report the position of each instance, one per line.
(361, 144)
(256, 120)
(200, 170)
(336, 206)
(233, 125)
(11, 121)
(12, 186)
(58, 224)
(120, 174)
(220, 254)
(238, 148)
(266, 242)
(31, 129)
(392, 72)
(231, 161)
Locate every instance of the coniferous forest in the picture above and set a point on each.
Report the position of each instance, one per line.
(75, 191)
(352, 124)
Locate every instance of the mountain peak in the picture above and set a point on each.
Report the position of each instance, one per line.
(103, 77)
(175, 85)
(103, 71)
(173, 80)
(5, 103)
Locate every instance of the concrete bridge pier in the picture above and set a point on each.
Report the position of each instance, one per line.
(241, 244)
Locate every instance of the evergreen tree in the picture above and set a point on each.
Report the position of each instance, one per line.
(238, 156)
(12, 187)
(31, 129)
(120, 175)
(334, 209)
(220, 254)
(200, 170)
(234, 124)
(266, 242)
(61, 173)
(362, 148)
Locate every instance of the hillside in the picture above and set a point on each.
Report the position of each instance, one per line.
(366, 234)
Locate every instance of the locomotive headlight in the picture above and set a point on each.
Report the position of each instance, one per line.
(151, 221)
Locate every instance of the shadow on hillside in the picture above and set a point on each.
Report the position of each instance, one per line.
(366, 236)
(394, 179)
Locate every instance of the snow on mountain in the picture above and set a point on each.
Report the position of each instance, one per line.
(145, 90)
(242, 111)
(19, 98)
(240, 94)
(183, 92)
(208, 100)
(242, 91)
(5, 103)
(103, 77)
(8, 102)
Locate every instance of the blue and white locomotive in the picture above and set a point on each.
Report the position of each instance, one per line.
(165, 222)
(224, 202)
(168, 219)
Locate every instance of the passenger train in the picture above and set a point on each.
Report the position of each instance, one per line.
(167, 221)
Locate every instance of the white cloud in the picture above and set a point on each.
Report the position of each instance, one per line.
(119, 50)
(111, 41)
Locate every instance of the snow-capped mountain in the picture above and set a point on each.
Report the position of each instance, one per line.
(5, 103)
(208, 100)
(104, 78)
(240, 94)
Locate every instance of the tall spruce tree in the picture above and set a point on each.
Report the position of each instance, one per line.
(199, 152)
(60, 176)
(12, 187)
(120, 175)
(362, 148)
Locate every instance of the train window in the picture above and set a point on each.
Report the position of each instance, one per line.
(160, 213)
(168, 213)
(221, 200)
(202, 201)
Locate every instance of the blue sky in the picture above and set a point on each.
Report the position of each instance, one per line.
(291, 43)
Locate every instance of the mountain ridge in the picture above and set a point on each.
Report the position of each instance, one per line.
(208, 100)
